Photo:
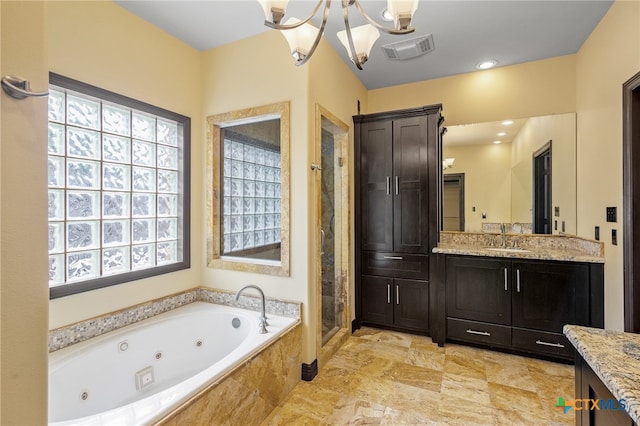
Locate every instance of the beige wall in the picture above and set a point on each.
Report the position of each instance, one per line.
(519, 91)
(487, 181)
(609, 57)
(253, 72)
(102, 44)
(23, 219)
(333, 86)
(537, 132)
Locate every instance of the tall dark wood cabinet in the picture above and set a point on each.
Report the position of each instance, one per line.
(397, 170)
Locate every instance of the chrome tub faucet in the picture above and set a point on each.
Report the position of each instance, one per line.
(262, 322)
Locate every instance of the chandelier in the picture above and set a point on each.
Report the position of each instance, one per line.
(303, 38)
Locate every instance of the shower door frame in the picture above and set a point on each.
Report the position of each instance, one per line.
(325, 351)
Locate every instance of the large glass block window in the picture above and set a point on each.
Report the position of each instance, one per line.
(252, 191)
(118, 188)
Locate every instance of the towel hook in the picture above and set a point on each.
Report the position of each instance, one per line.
(19, 88)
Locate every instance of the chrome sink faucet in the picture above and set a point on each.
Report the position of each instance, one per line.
(503, 231)
(262, 323)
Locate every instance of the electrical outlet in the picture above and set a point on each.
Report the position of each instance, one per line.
(614, 237)
(597, 233)
(612, 214)
(555, 225)
(556, 211)
(563, 226)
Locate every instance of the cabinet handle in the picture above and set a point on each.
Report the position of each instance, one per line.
(479, 333)
(555, 345)
(397, 295)
(388, 185)
(388, 293)
(397, 185)
(393, 257)
(506, 280)
(518, 280)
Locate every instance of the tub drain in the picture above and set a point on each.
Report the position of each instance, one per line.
(158, 355)
(84, 396)
(199, 343)
(236, 322)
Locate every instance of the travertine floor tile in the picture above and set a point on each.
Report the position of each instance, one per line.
(391, 378)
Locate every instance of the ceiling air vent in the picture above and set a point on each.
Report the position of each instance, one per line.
(409, 49)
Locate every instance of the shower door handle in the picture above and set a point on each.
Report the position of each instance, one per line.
(321, 242)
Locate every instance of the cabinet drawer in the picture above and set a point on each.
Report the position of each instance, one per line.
(396, 265)
(541, 342)
(478, 332)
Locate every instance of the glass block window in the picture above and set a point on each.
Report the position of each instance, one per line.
(118, 188)
(251, 204)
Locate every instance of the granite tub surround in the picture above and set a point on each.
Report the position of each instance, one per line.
(535, 246)
(386, 377)
(615, 357)
(84, 330)
(248, 394)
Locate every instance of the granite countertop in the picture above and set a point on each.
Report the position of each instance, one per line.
(568, 248)
(615, 357)
(542, 253)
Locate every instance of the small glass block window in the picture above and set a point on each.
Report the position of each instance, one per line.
(251, 179)
(118, 188)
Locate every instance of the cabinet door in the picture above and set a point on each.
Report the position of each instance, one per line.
(376, 299)
(478, 289)
(411, 308)
(410, 185)
(376, 186)
(548, 295)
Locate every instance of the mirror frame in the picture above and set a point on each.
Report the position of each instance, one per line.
(215, 123)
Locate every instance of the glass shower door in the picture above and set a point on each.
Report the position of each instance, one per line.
(331, 234)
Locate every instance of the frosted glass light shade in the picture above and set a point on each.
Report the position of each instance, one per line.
(267, 5)
(364, 37)
(402, 9)
(300, 39)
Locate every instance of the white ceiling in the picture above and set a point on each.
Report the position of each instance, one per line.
(464, 32)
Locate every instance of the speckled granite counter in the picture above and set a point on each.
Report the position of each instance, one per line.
(543, 247)
(615, 357)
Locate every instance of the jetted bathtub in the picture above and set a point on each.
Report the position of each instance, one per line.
(140, 373)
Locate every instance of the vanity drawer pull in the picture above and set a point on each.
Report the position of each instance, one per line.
(506, 288)
(393, 257)
(479, 333)
(388, 185)
(555, 345)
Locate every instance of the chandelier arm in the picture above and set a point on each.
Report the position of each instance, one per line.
(297, 24)
(382, 27)
(325, 15)
(352, 48)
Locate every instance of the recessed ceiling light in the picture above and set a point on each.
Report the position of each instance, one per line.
(386, 15)
(485, 65)
(501, 134)
(497, 142)
(507, 122)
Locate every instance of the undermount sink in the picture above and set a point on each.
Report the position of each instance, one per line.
(508, 250)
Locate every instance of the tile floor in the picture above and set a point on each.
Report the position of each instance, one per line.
(383, 377)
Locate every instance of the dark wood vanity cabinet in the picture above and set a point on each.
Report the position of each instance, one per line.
(521, 305)
(590, 387)
(396, 179)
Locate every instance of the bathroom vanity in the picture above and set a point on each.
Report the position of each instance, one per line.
(607, 371)
(517, 298)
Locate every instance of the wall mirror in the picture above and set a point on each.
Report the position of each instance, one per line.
(248, 178)
(490, 169)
